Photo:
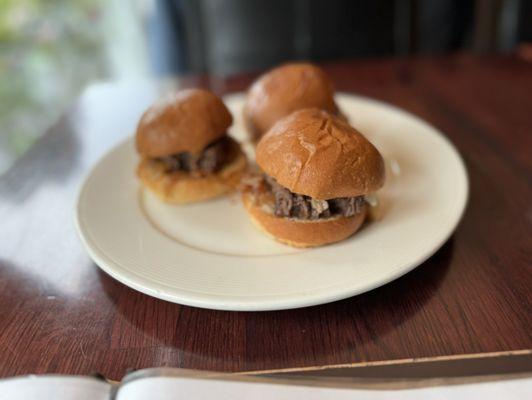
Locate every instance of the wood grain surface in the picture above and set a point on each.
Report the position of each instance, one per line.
(60, 314)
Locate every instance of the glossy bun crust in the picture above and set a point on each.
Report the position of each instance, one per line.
(314, 153)
(284, 90)
(302, 233)
(186, 121)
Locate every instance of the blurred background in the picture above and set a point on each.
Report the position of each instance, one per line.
(51, 49)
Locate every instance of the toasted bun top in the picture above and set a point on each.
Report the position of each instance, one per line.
(285, 89)
(314, 153)
(185, 121)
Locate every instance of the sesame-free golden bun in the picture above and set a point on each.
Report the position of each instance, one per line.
(283, 90)
(302, 233)
(181, 187)
(317, 154)
(186, 121)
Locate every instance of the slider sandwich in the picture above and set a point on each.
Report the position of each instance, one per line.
(316, 170)
(283, 90)
(186, 154)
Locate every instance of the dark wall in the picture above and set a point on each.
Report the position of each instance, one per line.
(229, 36)
(345, 28)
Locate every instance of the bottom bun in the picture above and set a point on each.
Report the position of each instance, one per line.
(302, 233)
(181, 188)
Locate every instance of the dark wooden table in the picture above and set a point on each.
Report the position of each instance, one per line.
(60, 314)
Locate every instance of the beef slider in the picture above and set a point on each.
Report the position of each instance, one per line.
(283, 90)
(318, 168)
(185, 153)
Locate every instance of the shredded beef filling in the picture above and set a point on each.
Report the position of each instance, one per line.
(210, 160)
(289, 204)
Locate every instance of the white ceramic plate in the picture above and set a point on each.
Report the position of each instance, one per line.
(210, 255)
